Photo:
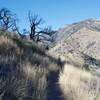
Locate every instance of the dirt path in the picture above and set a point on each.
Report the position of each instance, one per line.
(54, 92)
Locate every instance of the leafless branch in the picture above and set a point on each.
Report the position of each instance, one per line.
(7, 19)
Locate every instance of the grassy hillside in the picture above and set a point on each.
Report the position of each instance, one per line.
(25, 69)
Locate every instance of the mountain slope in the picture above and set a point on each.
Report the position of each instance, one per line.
(77, 40)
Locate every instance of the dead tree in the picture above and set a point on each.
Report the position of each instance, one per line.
(36, 32)
(7, 19)
(15, 28)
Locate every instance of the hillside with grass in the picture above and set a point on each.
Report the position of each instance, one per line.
(78, 45)
(26, 71)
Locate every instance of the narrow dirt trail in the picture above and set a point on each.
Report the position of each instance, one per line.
(54, 91)
(53, 87)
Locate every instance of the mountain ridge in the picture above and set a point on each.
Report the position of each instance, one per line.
(72, 28)
(78, 38)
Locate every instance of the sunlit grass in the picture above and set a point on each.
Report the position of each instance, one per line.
(77, 84)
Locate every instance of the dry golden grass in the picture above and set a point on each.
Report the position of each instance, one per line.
(24, 69)
(37, 77)
(29, 83)
(77, 84)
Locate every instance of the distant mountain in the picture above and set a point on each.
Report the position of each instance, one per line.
(78, 40)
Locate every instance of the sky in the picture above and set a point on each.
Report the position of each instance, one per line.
(56, 13)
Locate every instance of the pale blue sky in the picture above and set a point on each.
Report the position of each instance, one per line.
(56, 13)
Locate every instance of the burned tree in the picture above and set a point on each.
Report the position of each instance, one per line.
(7, 20)
(15, 28)
(36, 32)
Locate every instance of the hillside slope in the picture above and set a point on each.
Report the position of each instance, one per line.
(26, 70)
(80, 42)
